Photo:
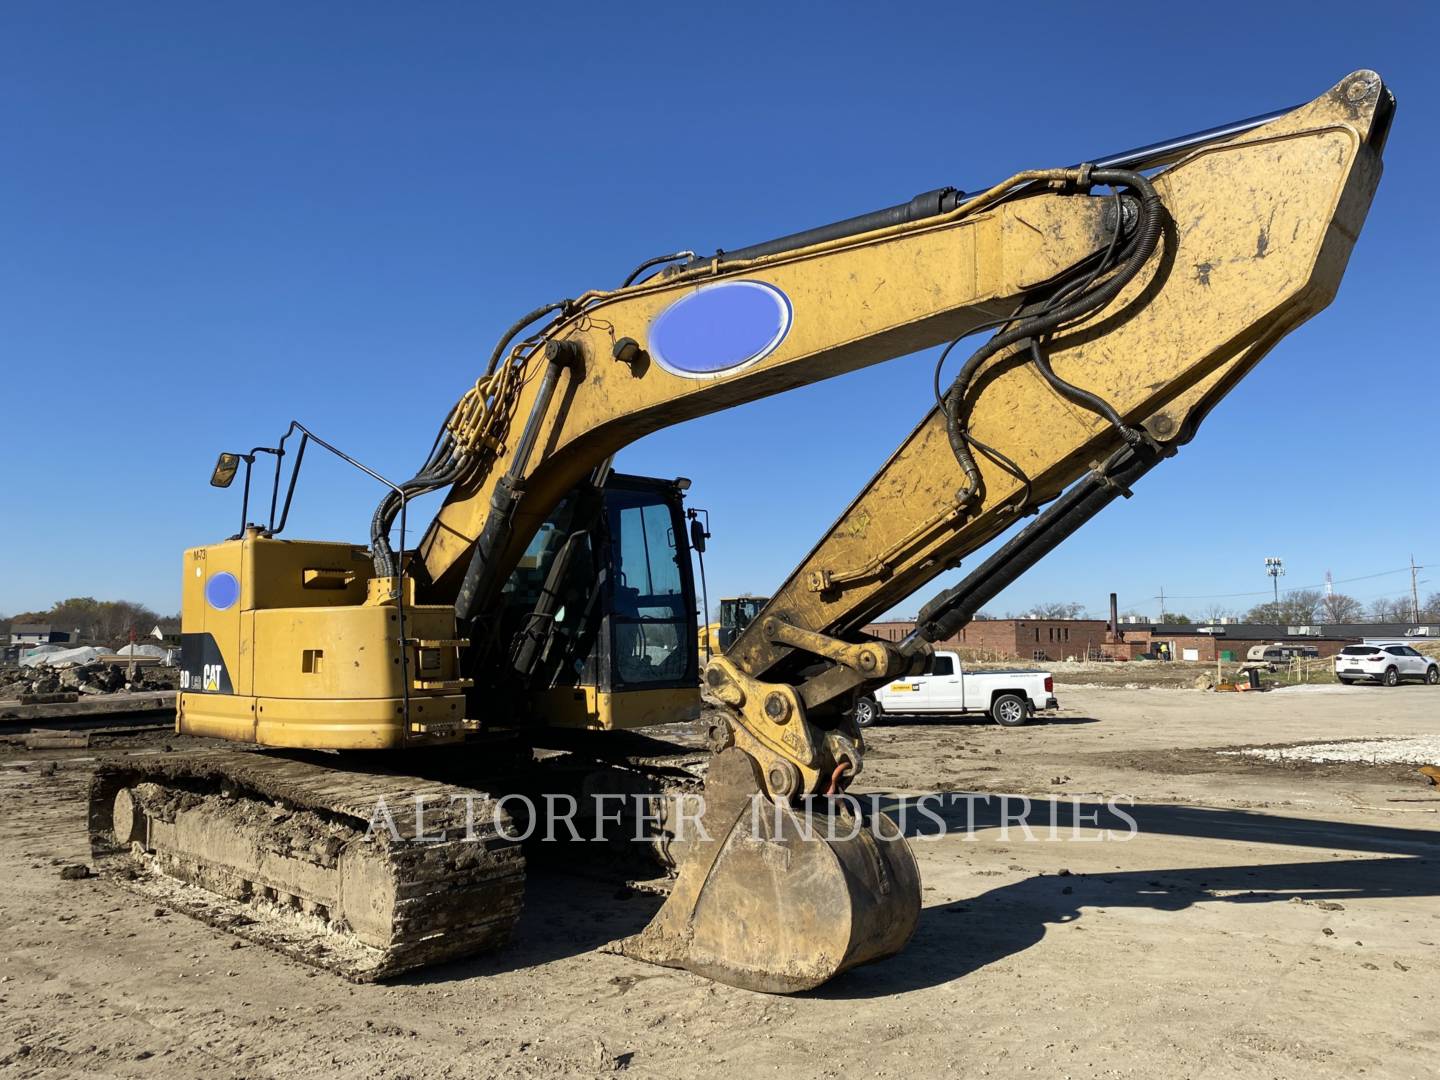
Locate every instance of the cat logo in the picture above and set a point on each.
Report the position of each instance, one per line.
(211, 678)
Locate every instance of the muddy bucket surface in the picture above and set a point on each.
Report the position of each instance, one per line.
(779, 901)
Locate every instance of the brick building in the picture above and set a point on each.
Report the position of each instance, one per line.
(1079, 639)
(1232, 641)
(1013, 639)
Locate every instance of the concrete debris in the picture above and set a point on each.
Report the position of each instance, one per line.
(94, 677)
(61, 697)
(42, 739)
(75, 872)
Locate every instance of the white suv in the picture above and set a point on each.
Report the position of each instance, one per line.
(1386, 662)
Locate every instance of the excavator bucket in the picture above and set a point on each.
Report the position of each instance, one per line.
(773, 899)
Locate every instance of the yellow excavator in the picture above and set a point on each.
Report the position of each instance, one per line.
(736, 613)
(551, 598)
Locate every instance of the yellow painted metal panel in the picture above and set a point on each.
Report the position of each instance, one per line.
(640, 708)
(585, 707)
(217, 716)
(337, 724)
(304, 573)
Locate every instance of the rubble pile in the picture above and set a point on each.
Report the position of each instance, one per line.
(96, 677)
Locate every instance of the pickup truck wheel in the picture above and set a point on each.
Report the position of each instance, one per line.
(1009, 710)
(1391, 677)
(867, 711)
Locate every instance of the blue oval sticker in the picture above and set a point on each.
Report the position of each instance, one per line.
(719, 329)
(222, 590)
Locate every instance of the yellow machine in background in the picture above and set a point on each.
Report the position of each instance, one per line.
(1126, 297)
(736, 613)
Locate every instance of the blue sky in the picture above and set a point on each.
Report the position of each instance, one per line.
(219, 218)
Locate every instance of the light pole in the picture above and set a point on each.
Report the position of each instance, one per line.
(1275, 567)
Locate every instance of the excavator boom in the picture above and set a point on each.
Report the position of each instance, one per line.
(1124, 316)
(1255, 230)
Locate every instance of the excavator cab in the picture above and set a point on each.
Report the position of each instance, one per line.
(599, 613)
(736, 613)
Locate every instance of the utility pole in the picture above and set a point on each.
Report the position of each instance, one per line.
(1162, 604)
(1414, 591)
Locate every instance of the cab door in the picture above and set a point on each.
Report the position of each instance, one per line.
(651, 592)
(942, 689)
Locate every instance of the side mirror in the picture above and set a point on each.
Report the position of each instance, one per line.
(225, 469)
(697, 536)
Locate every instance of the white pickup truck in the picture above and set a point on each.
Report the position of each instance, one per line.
(1010, 697)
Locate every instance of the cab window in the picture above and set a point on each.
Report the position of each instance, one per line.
(650, 614)
(942, 665)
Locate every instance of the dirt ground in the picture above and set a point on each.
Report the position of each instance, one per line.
(1269, 919)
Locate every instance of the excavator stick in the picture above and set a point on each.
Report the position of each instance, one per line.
(780, 901)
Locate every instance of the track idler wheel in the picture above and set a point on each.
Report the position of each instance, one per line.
(763, 903)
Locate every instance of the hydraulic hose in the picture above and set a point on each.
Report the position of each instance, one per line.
(1149, 225)
(656, 261)
(444, 466)
(520, 324)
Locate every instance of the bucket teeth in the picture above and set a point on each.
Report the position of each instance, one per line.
(773, 900)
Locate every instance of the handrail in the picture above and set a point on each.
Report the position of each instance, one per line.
(273, 529)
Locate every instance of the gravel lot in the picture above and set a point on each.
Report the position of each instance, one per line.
(1270, 919)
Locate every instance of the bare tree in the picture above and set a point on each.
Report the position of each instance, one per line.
(1057, 610)
(1390, 609)
(1298, 608)
(1215, 612)
(1302, 606)
(1339, 608)
(1267, 613)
